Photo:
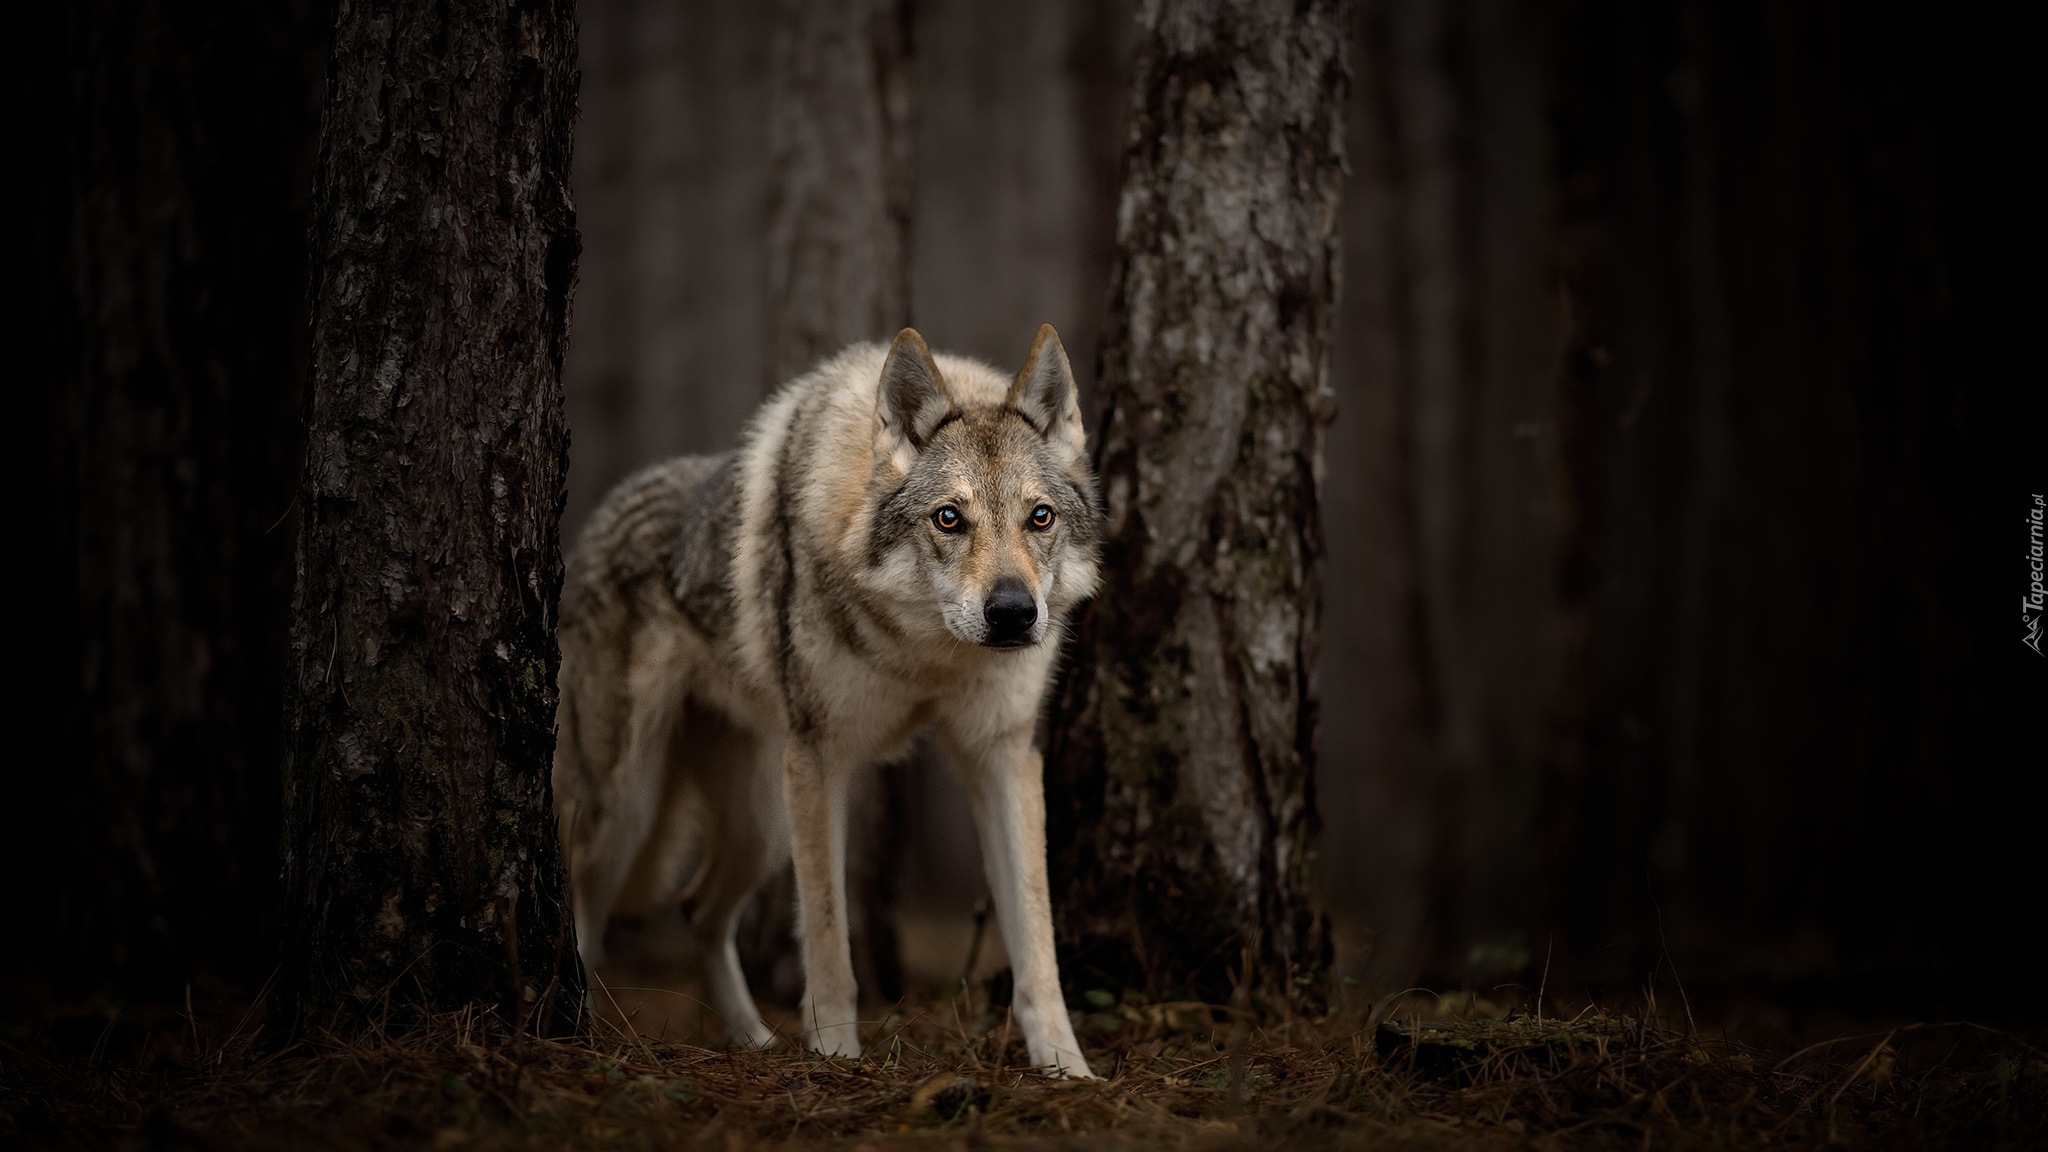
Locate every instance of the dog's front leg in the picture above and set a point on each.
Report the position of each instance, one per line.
(814, 792)
(1007, 784)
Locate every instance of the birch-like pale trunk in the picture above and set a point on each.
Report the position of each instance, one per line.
(1182, 742)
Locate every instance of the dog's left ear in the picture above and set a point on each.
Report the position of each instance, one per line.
(1044, 391)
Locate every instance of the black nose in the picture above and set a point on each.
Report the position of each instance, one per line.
(1010, 611)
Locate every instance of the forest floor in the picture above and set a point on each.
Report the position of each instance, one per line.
(1412, 1071)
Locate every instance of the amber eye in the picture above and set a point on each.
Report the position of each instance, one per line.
(1041, 517)
(948, 519)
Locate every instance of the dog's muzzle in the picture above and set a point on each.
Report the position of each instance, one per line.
(1010, 612)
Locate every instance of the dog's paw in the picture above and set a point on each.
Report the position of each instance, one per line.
(759, 1035)
(836, 1040)
(1066, 1066)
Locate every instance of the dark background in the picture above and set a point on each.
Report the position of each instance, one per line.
(1689, 407)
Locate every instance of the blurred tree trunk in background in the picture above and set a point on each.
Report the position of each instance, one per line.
(840, 180)
(421, 865)
(670, 184)
(1795, 247)
(1683, 380)
(163, 153)
(1182, 742)
(1019, 148)
(1446, 334)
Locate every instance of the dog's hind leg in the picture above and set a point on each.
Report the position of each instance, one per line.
(654, 688)
(743, 843)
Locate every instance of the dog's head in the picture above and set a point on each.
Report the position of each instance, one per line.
(989, 506)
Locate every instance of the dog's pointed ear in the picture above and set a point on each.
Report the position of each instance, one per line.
(1044, 390)
(913, 401)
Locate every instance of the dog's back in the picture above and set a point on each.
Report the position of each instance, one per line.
(620, 587)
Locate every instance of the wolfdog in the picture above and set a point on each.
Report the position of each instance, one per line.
(893, 548)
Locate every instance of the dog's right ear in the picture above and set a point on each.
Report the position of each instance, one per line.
(913, 400)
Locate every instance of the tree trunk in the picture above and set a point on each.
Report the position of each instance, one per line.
(671, 169)
(1777, 742)
(1182, 742)
(1683, 334)
(840, 178)
(1441, 351)
(165, 150)
(1571, 449)
(422, 871)
(839, 194)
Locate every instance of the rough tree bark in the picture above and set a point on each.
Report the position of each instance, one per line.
(839, 195)
(422, 870)
(163, 154)
(1182, 742)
